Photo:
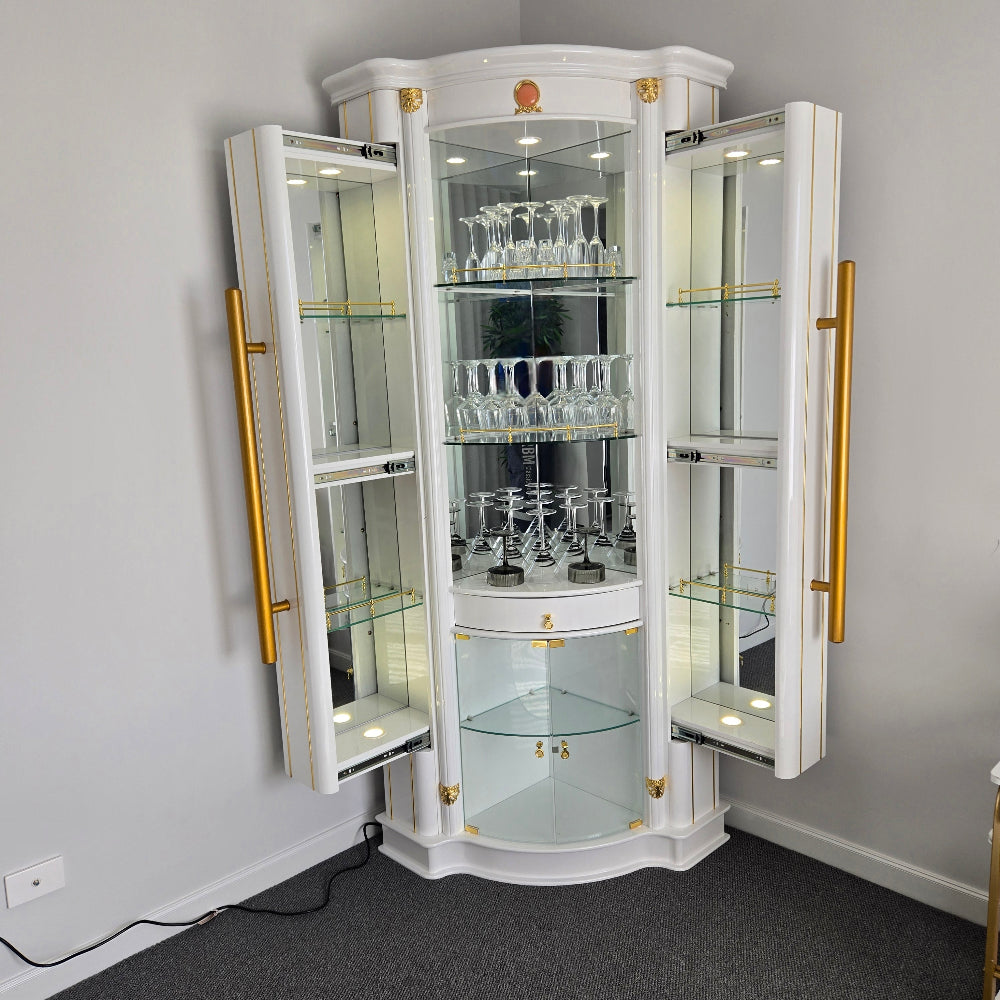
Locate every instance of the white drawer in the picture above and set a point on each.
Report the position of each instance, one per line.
(543, 615)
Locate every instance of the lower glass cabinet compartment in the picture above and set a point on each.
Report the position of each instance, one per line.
(550, 734)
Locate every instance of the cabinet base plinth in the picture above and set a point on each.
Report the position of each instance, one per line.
(556, 864)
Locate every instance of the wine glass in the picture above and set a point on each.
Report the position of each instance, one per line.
(579, 248)
(471, 408)
(494, 416)
(515, 416)
(560, 402)
(509, 247)
(627, 398)
(472, 260)
(606, 404)
(536, 407)
(452, 421)
(493, 258)
(561, 209)
(596, 247)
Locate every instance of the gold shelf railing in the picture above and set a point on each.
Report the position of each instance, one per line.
(506, 275)
(511, 431)
(363, 580)
(370, 604)
(318, 308)
(771, 289)
(726, 589)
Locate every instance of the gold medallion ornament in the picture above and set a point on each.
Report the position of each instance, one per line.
(656, 787)
(448, 794)
(648, 89)
(411, 99)
(527, 94)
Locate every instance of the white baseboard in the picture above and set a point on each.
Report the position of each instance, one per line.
(909, 880)
(37, 984)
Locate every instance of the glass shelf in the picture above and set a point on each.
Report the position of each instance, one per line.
(724, 301)
(352, 316)
(606, 432)
(533, 286)
(737, 587)
(355, 602)
(548, 711)
(552, 811)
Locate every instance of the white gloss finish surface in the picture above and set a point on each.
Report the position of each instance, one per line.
(566, 614)
(753, 733)
(353, 747)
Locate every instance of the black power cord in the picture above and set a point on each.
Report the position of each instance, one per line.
(211, 914)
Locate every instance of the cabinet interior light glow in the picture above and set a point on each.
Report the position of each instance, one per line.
(526, 173)
(731, 720)
(331, 171)
(455, 159)
(736, 154)
(601, 154)
(296, 181)
(769, 161)
(374, 733)
(342, 717)
(760, 703)
(528, 140)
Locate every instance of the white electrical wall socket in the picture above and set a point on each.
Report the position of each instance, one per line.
(30, 883)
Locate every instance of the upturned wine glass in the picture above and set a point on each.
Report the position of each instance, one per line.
(472, 260)
(515, 416)
(536, 407)
(453, 404)
(471, 408)
(595, 253)
(627, 397)
(579, 248)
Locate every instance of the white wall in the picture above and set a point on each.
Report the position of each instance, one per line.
(138, 730)
(914, 693)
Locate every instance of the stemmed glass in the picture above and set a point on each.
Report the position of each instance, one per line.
(480, 501)
(509, 247)
(627, 398)
(537, 408)
(472, 260)
(515, 415)
(470, 410)
(626, 500)
(568, 495)
(602, 536)
(582, 407)
(560, 401)
(596, 251)
(453, 404)
(494, 409)
(493, 259)
(562, 211)
(608, 408)
(532, 207)
(578, 249)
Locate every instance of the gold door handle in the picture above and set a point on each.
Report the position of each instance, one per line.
(564, 750)
(539, 752)
(239, 349)
(843, 323)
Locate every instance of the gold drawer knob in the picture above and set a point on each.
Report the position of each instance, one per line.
(539, 752)
(547, 622)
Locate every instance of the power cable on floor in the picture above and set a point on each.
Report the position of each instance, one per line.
(211, 914)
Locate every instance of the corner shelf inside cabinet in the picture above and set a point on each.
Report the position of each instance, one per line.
(583, 286)
(547, 712)
(355, 602)
(541, 435)
(736, 587)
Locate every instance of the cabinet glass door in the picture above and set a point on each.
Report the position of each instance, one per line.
(750, 267)
(320, 247)
(550, 736)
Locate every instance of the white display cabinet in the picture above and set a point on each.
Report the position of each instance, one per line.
(564, 460)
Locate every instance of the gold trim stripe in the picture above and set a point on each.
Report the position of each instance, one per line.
(805, 436)
(260, 449)
(284, 451)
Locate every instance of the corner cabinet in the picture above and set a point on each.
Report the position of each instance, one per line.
(545, 405)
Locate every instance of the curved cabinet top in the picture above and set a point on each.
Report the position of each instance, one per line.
(480, 65)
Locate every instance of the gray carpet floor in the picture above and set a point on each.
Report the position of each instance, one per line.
(751, 922)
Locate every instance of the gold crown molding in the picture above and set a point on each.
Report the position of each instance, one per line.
(448, 794)
(648, 89)
(656, 787)
(411, 99)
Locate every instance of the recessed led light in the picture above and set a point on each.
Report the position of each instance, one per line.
(731, 720)
(601, 154)
(526, 173)
(455, 159)
(528, 140)
(769, 161)
(296, 181)
(374, 733)
(760, 703)
(736, 154)
(342, 717)
(331, 171)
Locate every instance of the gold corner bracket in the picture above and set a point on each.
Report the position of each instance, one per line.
(656, 787)
(411, 99)
(648, 89)
(448, 794)
(843, 324)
